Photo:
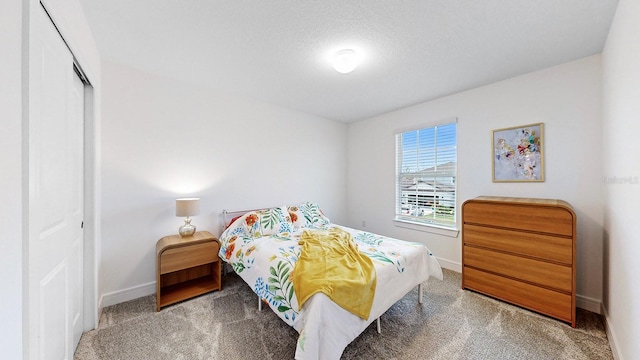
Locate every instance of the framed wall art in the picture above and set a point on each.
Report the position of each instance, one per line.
(518, 154)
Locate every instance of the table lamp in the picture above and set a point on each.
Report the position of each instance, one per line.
(187, 207)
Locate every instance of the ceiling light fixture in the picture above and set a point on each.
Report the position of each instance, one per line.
(345, 61)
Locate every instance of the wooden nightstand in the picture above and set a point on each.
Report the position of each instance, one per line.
(186, 267)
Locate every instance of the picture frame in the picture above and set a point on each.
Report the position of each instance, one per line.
(518, 154)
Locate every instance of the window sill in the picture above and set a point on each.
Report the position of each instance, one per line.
(427, 228)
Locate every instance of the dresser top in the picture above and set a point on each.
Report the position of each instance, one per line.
(518, 200)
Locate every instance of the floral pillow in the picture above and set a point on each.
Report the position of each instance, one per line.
(308, 215)
(297, 217)
(274, 221)
(248, 225)
(241, 230)
(252, 225)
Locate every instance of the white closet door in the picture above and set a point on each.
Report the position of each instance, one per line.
(76, 252)
(55, 196)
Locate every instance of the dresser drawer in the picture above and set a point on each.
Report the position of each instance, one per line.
(547, 247)
(546, 219)
(179, 258)
(526, 295)
(538, 272)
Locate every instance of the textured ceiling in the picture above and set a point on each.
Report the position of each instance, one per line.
(277, 51)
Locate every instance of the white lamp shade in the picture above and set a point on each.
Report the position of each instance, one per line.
(187, 207)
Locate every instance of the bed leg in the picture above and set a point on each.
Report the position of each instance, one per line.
(259, 304)
(378, 325)
(420, 293)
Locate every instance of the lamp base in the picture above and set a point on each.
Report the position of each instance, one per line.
(187, 229)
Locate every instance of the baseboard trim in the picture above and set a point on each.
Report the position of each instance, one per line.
(610, 335)
(131, 293)
(450, 265)
(135, 292)
(116, 297)
(589, 304)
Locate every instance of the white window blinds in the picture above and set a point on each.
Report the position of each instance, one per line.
(426, 175)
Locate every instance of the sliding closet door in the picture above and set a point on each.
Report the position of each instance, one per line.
(55, 195)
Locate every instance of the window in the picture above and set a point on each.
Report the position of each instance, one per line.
(426, 176)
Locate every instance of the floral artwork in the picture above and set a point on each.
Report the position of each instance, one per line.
(518, 154)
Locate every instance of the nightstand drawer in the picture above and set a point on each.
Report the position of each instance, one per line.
(188, 256)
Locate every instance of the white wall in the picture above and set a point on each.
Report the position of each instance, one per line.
(621, 105)
(566, 98)
(163, 139)
(11, 178)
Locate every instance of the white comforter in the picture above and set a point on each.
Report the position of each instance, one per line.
(325, 328)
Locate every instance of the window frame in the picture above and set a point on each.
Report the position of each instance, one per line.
(412, 221)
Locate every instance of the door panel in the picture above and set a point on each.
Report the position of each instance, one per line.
(54, 313)
(76, 134)
(55, 195)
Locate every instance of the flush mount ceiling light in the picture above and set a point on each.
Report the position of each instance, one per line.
(345, 61)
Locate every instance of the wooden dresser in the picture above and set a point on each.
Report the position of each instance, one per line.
(522, 251)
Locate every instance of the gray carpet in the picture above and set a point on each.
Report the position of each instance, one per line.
(450, 324)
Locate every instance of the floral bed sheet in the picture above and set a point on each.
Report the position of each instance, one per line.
(265, 258)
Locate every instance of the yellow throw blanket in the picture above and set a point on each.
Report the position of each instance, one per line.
(331, 263)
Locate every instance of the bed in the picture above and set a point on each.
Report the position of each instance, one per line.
(262, 247)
